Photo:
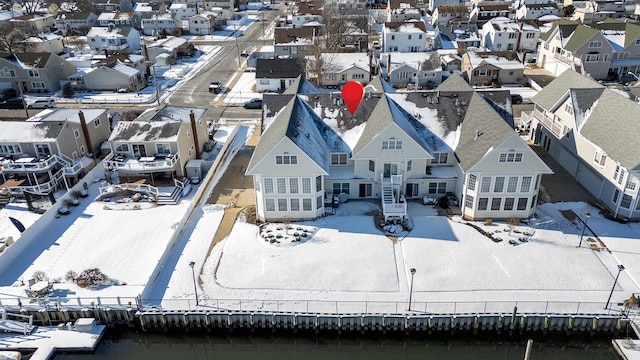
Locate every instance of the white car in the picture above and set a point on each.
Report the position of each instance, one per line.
(40, 103)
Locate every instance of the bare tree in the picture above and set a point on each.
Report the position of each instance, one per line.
(77, 42)
(12, 40)
(31, 6)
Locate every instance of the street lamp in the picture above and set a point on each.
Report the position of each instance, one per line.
(584, 227)
(413, 272)
(620, 268)
(195, 287)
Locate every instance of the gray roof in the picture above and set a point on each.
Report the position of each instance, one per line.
(134, 131)
(30, 131)
(279, 68)
(170, 112)
(378, 85)
(481, 130)
(454, 83)
(303, 127)
(551, 93)
(301, 86)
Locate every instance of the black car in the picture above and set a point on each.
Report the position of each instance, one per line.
(253, 104)
(6, 94)
(15, 103)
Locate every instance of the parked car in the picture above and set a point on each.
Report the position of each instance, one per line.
(40, 103)
(8, 93)
(253, 104)
(15, 103)
(215, 87)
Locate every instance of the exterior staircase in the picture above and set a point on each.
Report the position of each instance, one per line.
(172, 199)
(392, 207)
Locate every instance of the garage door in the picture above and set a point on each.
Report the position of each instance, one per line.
(590, 179)
(567, 160)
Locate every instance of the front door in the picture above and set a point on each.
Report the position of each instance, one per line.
(390, 169)
(139, 150)
(365, 190)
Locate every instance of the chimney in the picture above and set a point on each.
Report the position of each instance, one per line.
(194, 130)
(85, 133)
(519, 37)
(478, 133)
(388, 66)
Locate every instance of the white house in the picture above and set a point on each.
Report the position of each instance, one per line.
(338, 68)
(447, 15)
(402, 69)
(155, 24)
(536, 11)
(402, 10)
(300, 20)
(395, 148)
(277, 74)
(404, 36)
(591, 132)
(50, 43)
(203, 23)
(502, 34)
(182, 11)
(76, 22)
(113, 39)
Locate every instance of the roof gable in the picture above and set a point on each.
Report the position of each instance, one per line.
(279, 68)
(549, 96)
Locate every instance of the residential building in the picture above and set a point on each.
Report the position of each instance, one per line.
(536, 11)
(204, 23)
(487, 10)
(434, 4)
(35, 23)
(404, 36)
(502, 34)
(591, 132)
(277, 74)
(158, 144)
(112, 76)
(403, 10)
(76, 22)
(448, 15)
(302, 19)
(483, 67)
(100, 39)
(293, 43)
(395, 148)
(7, 15)
(34, 72)
(120, 19)
(338, 68)
(458, 36)
(403, 69)
(176, 47)
(50, 43)
(112, 5)
(183, 11)
(155, 24)
(354, 39)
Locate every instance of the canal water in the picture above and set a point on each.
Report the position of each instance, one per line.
(129, 344)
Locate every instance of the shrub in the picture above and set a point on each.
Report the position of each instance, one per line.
(67, 91)
(71, 275)
(92, 278)
(39, 275)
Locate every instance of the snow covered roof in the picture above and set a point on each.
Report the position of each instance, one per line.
(405, 27)
(68, 114)
(125, 69)
(28, 60)
(170, 112)
(107, 32)
(120, 15)
(492, 58)
(136, 131)
(29, 131)
(339, 62)
(411, 59)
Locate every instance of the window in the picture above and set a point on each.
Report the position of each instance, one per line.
(600, 159)
(471, 184)
(282, 204)
(43, 149)
(7, 73)
(82, 149)
(76, 133)
(616, 173)
(281, 185)
(592, 57)
(163, 149)
(626, 201)
(357, 76)
(10, 149)
(485, 186)
(122, 148)
(482, 203)
(393, 37)
(391, 144)
(294, 204)
(286, 159)
(512, 35)
(498, 186)
(440, 158)
(38, 85)
(468, 201)
(270, 205)
(511, 156)
(33, 73)
(496, 204)
(318, 183)
(616, 195)
(595, 44)
(508, 203)
(530, 35)
(319, 202)
(437, 187)
(306, 185)
(512, 185)
(268, 186)
(605, 57)
(409, 163)
(372, 165)
(338, 159)
(522, 203)
(341, 188)
(622, 172)
(526, 184)
(409, 37)
(264, 82)
(568, 108)
(293, 185)
(482, 72)
(306, 204)
(631, 183)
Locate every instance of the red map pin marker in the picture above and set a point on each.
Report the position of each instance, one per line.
(352, 94)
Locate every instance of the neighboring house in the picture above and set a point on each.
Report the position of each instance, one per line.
(404, 37)
(76, 22)
(458, 36)
(536, 11)
(591, 132)
(396, 148)
(450, 61)
(204, 23)
(486, 11)
(49, 152)
(155, 24)
(120, 20)
(35, 23)
(158, 143)
(100, 39)
(403, 70)
(624, 38)
(277, 74)
(226, 5)
(434, 4)
(489, 67)
(447, 15)
(112, 5)
(183, 11)
(354, 39)
(293, 43)
(34, 72)
(112, 76)
(338, 68)
(50, 43)
(176, 47)
(7, 15)
(402, 10)
(300, 20)
(502, 34)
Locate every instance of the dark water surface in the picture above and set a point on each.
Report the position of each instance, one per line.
(129, 344)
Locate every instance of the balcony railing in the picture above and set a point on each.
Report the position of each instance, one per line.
(32, 164)
(142, 164)
(40, 189)
(548, 123)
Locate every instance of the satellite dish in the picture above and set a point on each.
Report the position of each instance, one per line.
(53, 9)
(17, 7)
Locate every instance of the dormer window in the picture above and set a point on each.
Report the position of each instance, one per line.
(286, 159)
(392, 144)
(339, 159)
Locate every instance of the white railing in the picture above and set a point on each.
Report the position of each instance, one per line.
(547, 122)
(395, 209)
(143, 166)
(149, 189)
(71, 167)
(40, 189)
